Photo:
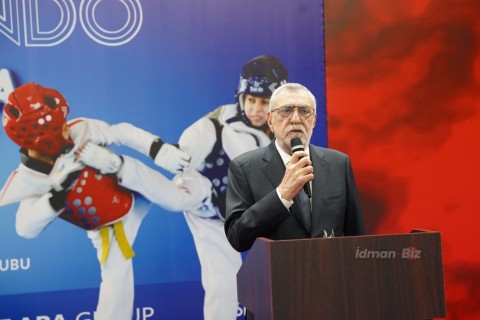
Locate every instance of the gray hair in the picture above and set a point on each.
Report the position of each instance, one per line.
(291, 86)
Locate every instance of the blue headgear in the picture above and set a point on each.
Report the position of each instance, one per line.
(260, 77)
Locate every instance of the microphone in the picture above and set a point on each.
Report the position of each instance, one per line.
(297, 145)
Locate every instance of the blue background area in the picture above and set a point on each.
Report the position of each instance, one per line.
(184, 62)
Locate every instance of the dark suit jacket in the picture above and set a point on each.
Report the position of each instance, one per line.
(255, 210)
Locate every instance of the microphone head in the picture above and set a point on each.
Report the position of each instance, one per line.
(296, 144)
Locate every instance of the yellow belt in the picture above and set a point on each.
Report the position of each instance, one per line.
(122, 241)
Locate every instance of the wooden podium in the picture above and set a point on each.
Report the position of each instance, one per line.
(366, 277)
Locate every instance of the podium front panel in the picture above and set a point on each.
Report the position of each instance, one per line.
(369, 277)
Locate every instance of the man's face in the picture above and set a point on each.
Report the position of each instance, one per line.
(286, 128)
(256, 109)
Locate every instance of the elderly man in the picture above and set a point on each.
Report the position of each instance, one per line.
(267, 190)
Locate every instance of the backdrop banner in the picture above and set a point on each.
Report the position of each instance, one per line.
(160, 66)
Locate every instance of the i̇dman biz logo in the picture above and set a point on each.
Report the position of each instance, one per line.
(409, 253)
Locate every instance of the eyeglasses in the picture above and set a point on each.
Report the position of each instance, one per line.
(287, 111)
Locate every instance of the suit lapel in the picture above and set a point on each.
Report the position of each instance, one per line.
(320, 171)
(273, 166)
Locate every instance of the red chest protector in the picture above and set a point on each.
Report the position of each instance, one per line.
(96, 200)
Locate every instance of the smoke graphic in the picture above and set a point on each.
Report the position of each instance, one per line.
(403, 80)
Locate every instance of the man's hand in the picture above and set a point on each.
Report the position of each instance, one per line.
(298, 172)
(172, 159)
(99, 158)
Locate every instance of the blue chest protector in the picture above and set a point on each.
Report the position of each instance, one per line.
(216, 170)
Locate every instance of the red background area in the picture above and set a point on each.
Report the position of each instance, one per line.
(403, 96)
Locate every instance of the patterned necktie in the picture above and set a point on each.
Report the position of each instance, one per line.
(305, 208)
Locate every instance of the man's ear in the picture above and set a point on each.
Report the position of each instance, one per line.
(269, 121)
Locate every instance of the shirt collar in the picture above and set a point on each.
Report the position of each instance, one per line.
(285, 156)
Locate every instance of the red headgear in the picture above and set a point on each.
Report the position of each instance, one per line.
(34, 118)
